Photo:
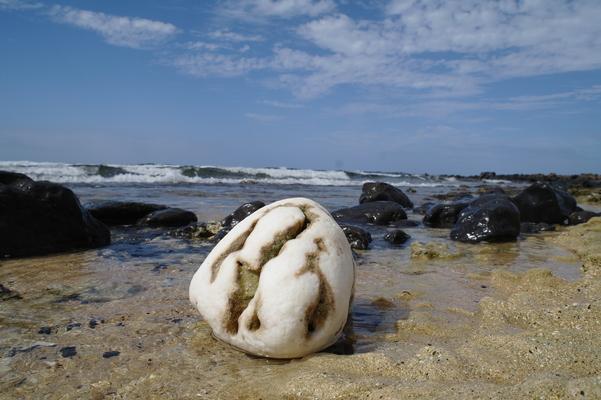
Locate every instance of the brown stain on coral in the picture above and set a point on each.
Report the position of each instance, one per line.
(255, 323)
(236, 245)
(273, 248)
(248, 277)
(317, 312)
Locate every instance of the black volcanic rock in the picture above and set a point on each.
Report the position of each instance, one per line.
(533, 227)
(38, 218)
(380, 191)
(376, 212)
(358, 238)
(444, 215)
(169, 217)
(423, 208)
(542, 202)
(121, 212)
(397, 237)
(580, 217)
(235, 217)
(491, 217)
(240, 213)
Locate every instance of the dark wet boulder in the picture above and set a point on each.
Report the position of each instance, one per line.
(380, 191)
(423, 208)
(396, 237)
(376, 212)
(169, 217)
(8, 178)
(444, 215)
(580, 217)
(542, 202)
(235, 217)
(533, 227)
(121, 212)
(358, 238)
(240, 213)
(38, 218)
(491, 218)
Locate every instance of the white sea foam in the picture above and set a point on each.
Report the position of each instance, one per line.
(173, 174)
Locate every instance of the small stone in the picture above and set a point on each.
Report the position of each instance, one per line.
(73, 325)
(68, 351)
(45, 330)
(397, 237)
(92, 324)
(109, 354)
(7, 294)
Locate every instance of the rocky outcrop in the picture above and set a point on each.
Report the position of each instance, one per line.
(358, 238)
(444, 215)
(121, 212)
(380, 191)
(491, 218)
(38, 218)
(377, 212)
(169, 217)
(542, 202)
(240, 213)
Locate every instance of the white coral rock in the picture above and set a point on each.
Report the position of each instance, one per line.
(280, 283)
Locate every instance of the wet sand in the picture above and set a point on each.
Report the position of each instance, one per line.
(486, 321)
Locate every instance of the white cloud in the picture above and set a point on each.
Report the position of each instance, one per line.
(266, 118)
(252, 9)
(230, 36)
(216, 64)
(439, 48)
(117, 30)
(447, 46)
(200, 45)
(423, 107)
(19, 5)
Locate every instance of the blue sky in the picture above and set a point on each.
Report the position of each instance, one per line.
(401, 85)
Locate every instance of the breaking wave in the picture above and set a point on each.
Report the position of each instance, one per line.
(173, 174)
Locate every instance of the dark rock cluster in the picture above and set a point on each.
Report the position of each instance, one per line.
(39, 217)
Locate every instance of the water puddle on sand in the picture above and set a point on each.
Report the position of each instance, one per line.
(131, 298)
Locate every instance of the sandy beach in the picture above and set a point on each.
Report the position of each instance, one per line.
(432, 318)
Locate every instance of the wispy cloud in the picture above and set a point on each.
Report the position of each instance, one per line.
(117, 30)
(19, 5)
(266, 118)
(253, 9)
(229, 36)
(204, 64)
(422, 107)
(453, 45)
(443, 48)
